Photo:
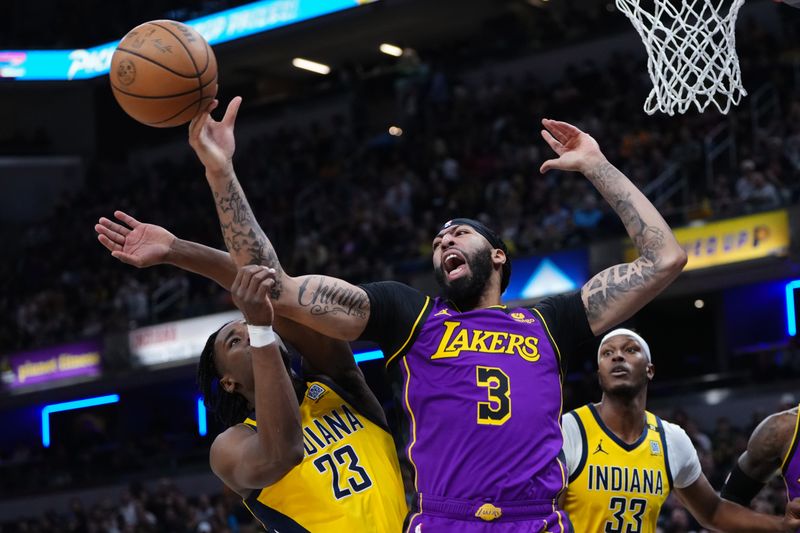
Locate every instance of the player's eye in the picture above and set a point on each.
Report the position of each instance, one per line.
(234, 342)
(436, 244)
(461, 232)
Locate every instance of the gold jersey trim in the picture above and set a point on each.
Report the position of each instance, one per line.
(413, 330)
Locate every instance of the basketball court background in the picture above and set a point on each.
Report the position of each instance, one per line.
(351, 173)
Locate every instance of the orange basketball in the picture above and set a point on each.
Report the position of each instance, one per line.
(163, 73)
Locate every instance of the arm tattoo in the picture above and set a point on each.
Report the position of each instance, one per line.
(325, 296)
(243, 236)
(603, 175)
(649, 240)
(615, 282)
(612, 283)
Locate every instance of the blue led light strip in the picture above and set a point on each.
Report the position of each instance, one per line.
(235, 23)
(368, 356)
(202, 422)
(47, 410)
(791, 320)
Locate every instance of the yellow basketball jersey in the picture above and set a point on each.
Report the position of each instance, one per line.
(617, 487)
(349, 479)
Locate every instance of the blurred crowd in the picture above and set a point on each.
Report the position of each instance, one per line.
(27, 470)
(164, 508)
(336, 200)
(718, 449)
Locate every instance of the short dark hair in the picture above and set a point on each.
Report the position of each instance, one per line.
(230, 408)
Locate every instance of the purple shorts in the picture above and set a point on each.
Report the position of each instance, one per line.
(440, 515)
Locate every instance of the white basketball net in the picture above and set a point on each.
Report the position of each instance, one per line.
(691, 52)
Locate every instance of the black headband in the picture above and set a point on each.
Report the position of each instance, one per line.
(490, 236)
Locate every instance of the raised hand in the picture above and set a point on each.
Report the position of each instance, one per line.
(577, 151)
(250, 291)
(133, 242)
(213, 141)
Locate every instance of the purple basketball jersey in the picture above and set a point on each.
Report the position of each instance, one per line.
(482, 393)
(791, 466)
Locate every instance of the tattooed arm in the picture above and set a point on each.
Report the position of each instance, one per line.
(329, 305)
(618, 292)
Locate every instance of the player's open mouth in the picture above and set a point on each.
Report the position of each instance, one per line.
(454, 264)
(619, 371)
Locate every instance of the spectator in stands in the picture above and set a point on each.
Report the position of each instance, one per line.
(762, 195)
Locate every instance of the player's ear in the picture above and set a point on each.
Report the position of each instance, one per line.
(651, 371)
(228, 384)
(498, 257)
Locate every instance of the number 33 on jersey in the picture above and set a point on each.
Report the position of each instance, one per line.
(617, 487)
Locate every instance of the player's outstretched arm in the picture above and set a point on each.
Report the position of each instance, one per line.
(762, 459)
(328, 305)
(214, 144)
(618, 292)
(144, 245)
(717, 514)
(245, 459)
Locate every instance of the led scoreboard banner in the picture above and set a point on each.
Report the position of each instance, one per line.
(217, 28)
(51, 365)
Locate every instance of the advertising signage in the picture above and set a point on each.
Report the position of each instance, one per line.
(228, 25)
(732, 241)
(177, 341)
(50, 365)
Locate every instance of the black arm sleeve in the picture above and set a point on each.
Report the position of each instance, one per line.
(740, 488)
(566, 320)
(393, 309)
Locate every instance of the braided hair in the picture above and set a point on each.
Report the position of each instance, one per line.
(229, 407)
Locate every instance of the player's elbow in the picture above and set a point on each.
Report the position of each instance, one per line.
(673, 263)
(276, 467)
(290, 457)
(290, 452)
(295, 455)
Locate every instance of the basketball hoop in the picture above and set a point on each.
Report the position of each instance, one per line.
(691, 52)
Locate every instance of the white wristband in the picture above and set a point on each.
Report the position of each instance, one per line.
(260, 336)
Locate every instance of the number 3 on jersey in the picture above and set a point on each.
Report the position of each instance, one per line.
(340, 456)
(497, 410)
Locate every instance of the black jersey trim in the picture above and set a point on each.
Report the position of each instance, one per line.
(584, 447)
(666, 449)
(611, 435)
(414, 330)
(271, 519)
(552, 341)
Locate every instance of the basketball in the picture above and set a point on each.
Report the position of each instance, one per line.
(163, 73)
